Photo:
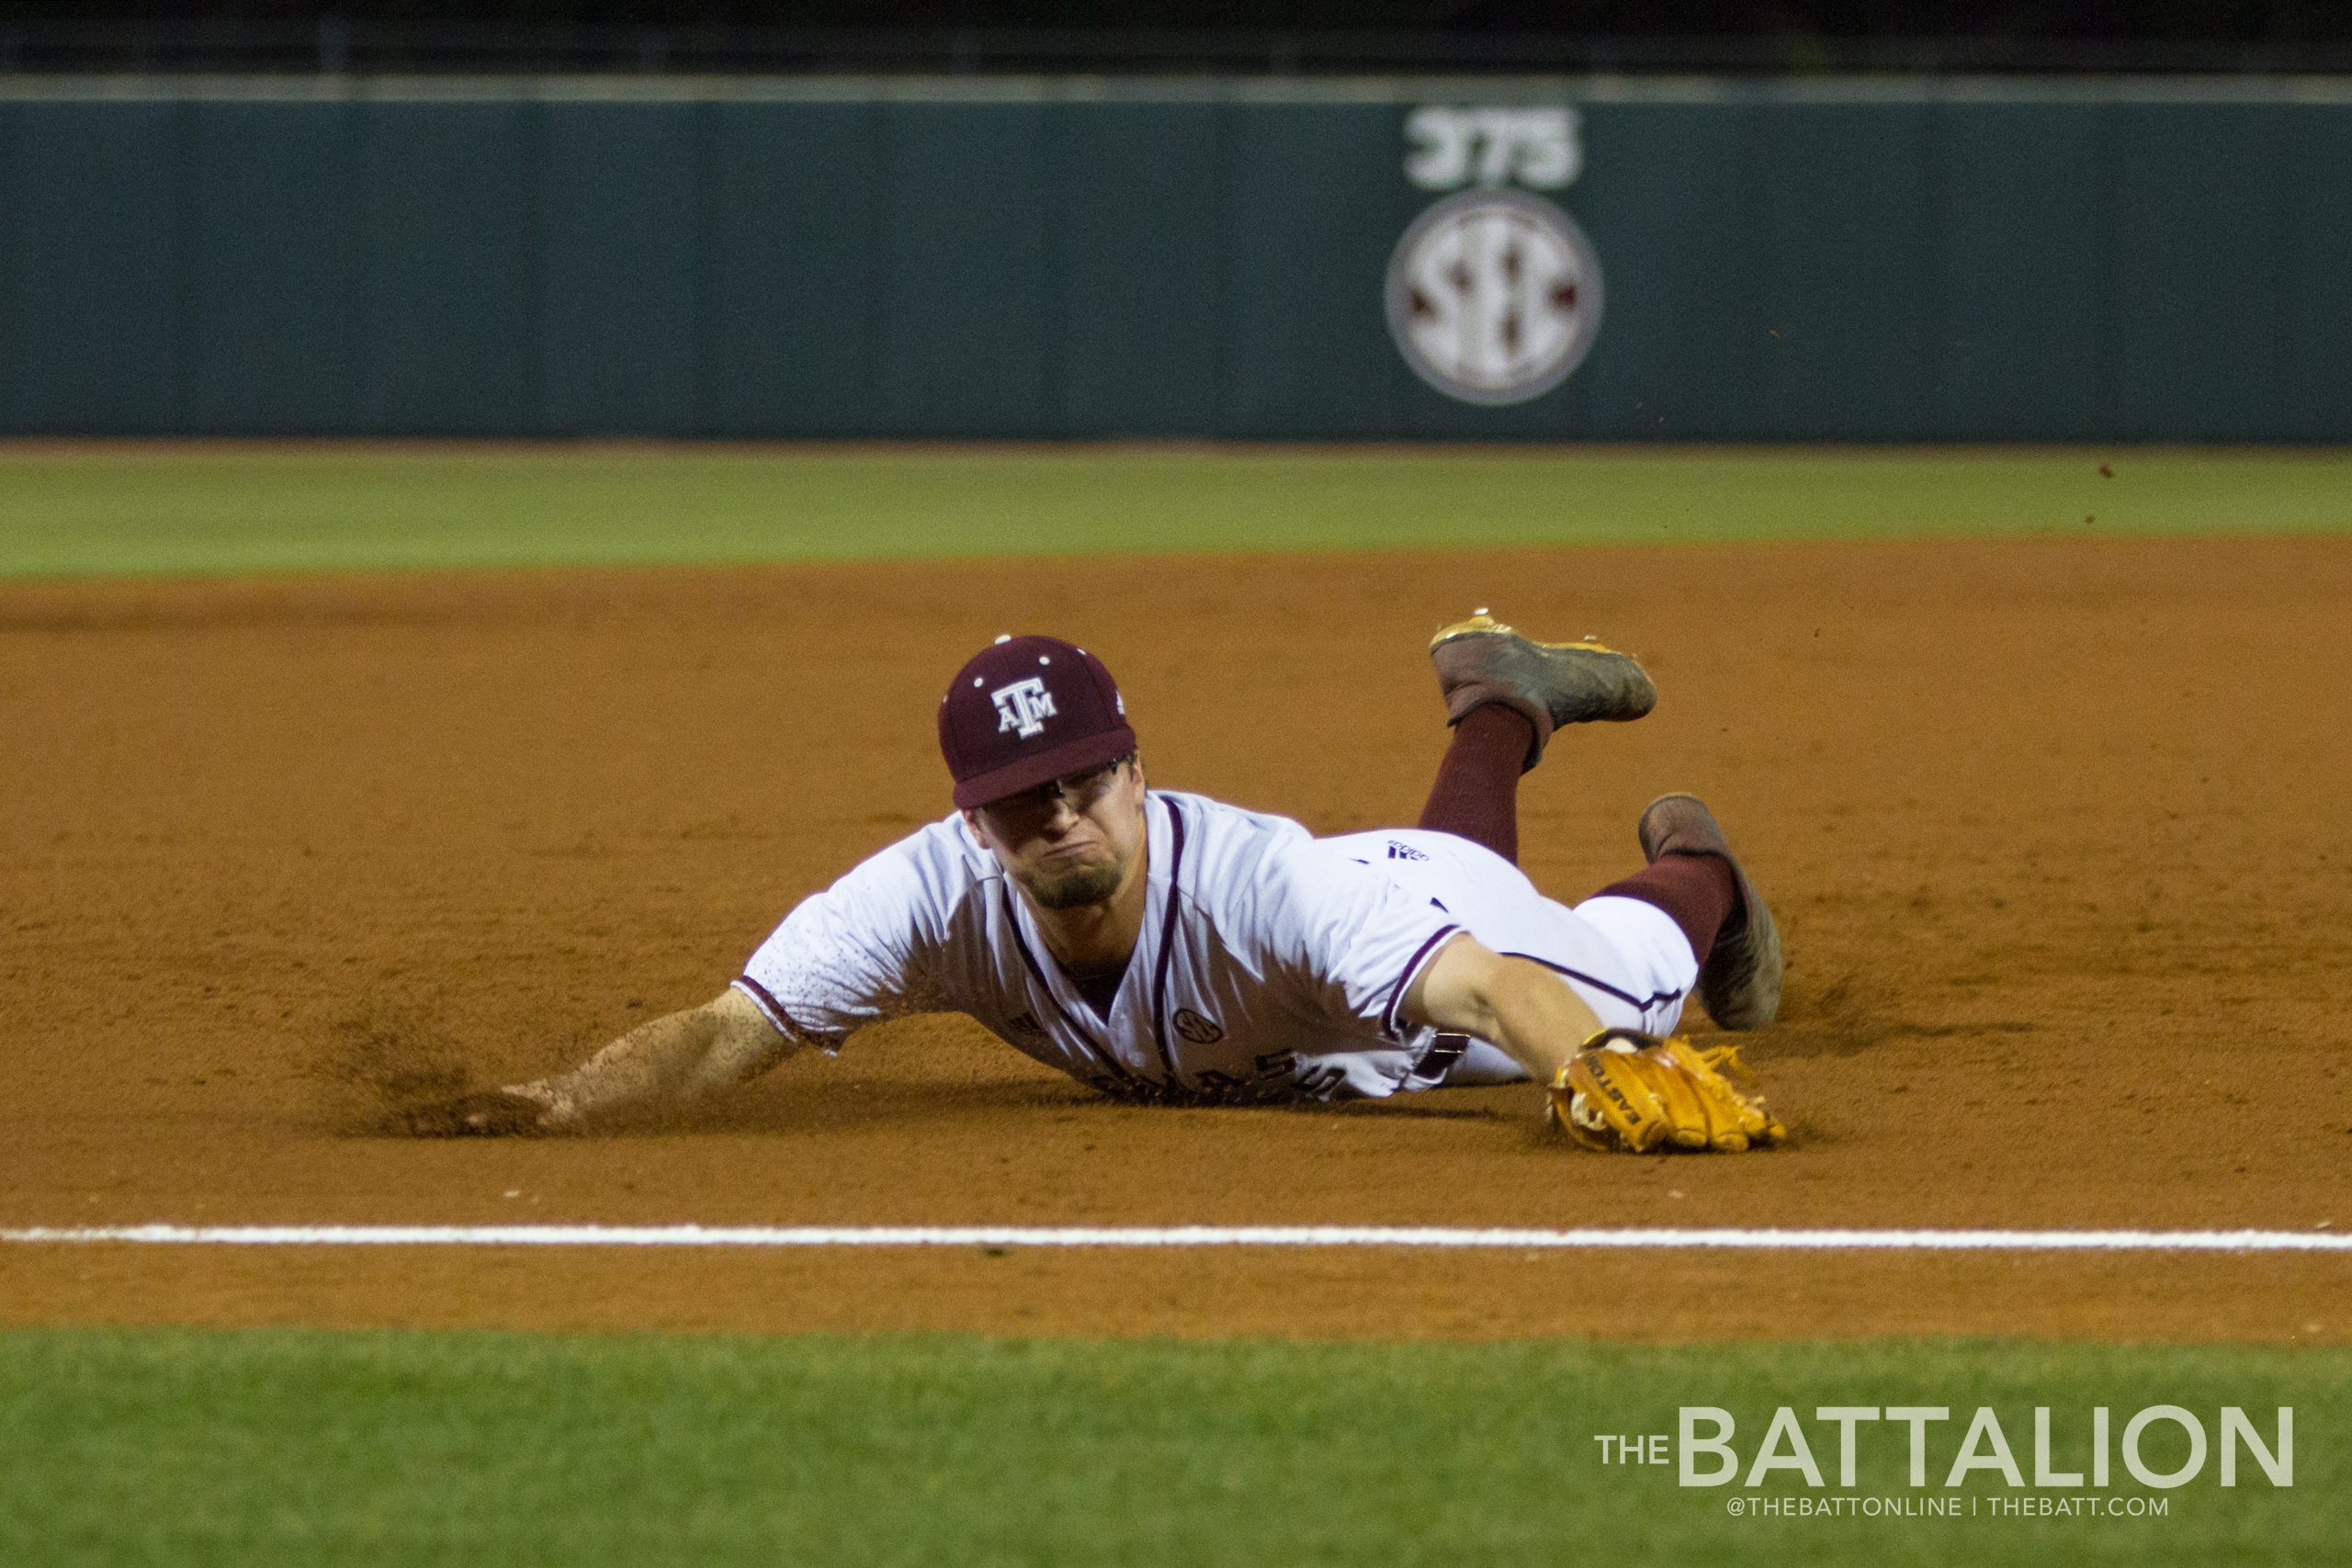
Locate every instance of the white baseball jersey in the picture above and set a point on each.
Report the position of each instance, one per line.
(1271, 964)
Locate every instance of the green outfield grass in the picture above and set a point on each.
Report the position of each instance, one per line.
(180, 507)
(269, 1447)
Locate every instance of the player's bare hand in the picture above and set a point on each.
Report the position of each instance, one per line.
(493, 1114)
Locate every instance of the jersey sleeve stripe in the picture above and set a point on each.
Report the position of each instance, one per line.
(770, 1008)
(1405, 980)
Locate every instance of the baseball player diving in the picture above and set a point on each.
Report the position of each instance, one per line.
(1160, 946)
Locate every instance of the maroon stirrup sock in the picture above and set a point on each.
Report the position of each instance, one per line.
(1476, 793)
(1698, 891)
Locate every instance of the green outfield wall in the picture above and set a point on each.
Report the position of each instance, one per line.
(1079, 258)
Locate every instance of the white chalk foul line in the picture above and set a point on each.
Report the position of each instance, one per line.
(1188, 1235)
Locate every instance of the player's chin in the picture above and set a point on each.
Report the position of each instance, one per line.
(1072, 886)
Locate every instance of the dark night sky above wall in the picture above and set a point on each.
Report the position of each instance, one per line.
(2187, 21)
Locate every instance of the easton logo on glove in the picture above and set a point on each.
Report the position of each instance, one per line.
(1625, 1091)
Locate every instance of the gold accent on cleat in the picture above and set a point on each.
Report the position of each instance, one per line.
(1481, 623)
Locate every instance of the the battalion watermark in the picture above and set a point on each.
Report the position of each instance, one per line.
(1936, 1462)
(1897, 1506)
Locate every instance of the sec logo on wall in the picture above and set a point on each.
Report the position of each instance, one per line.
(1493, 294)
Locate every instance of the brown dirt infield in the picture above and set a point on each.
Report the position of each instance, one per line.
(2058, 831)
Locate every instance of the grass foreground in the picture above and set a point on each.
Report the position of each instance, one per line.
(117, 508)
(153, 1446)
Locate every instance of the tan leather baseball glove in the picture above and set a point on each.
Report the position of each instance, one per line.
(1634, 1093)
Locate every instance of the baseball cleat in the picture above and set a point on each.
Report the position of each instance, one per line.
(1550, 683)
(1740, 982)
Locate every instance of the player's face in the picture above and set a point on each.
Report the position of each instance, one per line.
(1068, 844)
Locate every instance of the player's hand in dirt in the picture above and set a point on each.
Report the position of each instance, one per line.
(493, 1114)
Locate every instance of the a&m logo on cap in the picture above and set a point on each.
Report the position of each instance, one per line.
(1024, 707)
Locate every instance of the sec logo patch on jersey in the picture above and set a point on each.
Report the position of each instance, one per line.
(1200, 1030)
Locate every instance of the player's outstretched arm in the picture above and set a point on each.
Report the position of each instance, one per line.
(1610, 1089)
(665, 1064)
(1521, 1006)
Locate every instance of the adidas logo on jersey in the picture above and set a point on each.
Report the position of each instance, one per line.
(1404, 851)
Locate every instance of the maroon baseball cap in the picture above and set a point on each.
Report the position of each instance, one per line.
(1027, 710)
